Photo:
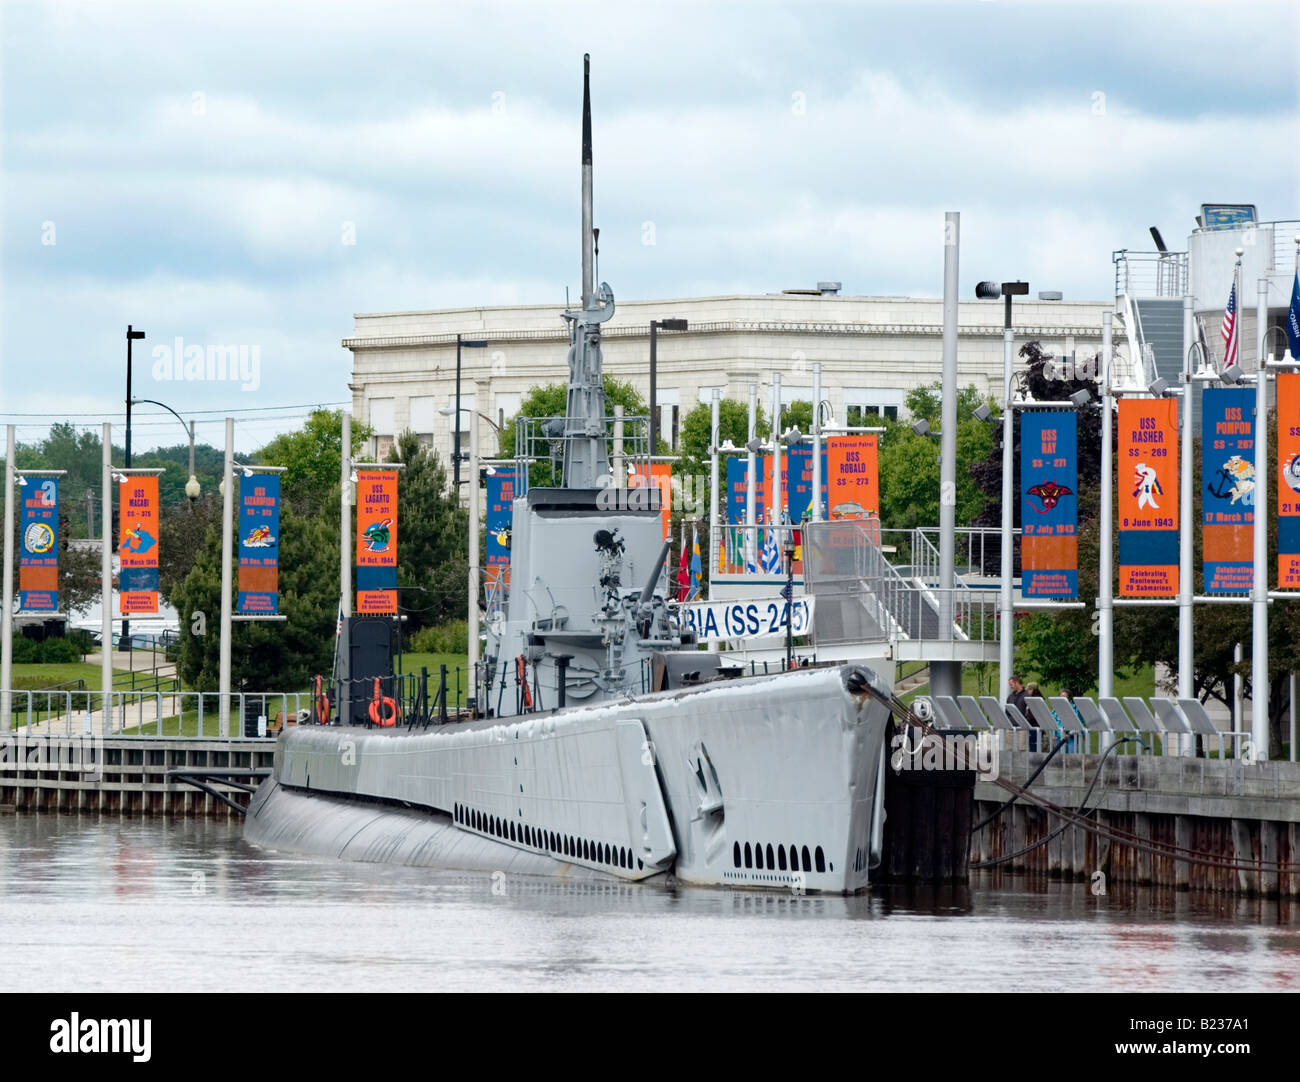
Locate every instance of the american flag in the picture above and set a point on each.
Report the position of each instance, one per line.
(1230, 329)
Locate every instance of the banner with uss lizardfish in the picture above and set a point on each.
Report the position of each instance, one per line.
(259, 545)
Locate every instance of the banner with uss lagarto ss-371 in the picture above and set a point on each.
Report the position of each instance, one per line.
(376, 557)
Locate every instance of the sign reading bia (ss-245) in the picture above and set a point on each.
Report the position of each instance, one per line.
(718, 620)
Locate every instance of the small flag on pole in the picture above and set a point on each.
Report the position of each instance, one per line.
(1230, 329)
(771, 558)
(697, 567)
(1293, 319)
(683, 570)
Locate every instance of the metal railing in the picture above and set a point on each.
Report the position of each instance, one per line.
(1175, 728)
(541, 443)
(152, 713)
(1150, 274)
(861, 596)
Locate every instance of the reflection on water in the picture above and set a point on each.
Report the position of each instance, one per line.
(118, 904)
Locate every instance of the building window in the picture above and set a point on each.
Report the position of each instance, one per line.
(507, 405)
(381, 426)
(865, 407)
(869, 416)
(422, 414)
(669, 400)
(458, 424)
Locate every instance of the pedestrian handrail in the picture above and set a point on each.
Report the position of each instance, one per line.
(1157, 726)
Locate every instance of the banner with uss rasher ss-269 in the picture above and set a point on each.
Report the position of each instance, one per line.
(1147, 465)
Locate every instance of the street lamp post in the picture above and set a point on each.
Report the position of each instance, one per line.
(789, 600)
(132, 335)
(192, 489)
(1006, 639)
(657, 325)
(471, 620)
(466, 343)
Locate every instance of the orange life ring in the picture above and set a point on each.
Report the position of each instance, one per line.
(381, 703)
(521, 673)
(322, 704)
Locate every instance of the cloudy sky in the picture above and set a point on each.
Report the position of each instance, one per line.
(254, 173)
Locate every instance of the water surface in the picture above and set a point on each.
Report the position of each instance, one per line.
(109, 904)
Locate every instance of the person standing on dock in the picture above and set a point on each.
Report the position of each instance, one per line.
(1016, 696)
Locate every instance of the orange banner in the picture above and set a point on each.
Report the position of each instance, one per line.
(1288, 481)
(852, 476)
(376, 542)
(1148, 497)
(661, 476)
(137, 544)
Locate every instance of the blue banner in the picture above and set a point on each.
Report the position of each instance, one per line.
(501, 490)
(38, 549)
(259, 545)
(1049, 505)
(1227, 489)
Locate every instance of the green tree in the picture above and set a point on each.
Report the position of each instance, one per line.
(697, 427)
(432, 548)
(312, 457)
(271, 656)
(909, 464)
(182, 533)
(550, 400)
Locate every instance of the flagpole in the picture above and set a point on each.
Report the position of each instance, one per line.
(777, 502)
(1106, 563)
(1186, 656)
(751, 527)
(1259, 686)
(715, 527)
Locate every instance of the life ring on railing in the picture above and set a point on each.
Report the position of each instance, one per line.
(521, 675)
(381, 703)
(322, 703)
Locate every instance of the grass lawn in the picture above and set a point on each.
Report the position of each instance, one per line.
(35, 676)
(1141, 683)
(456, 667)
(28, 676)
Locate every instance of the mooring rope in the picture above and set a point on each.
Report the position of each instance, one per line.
(900, 711)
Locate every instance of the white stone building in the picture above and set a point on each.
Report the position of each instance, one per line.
(872, 350)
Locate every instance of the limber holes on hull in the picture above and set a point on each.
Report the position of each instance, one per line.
(762, 857)
(558, 845)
